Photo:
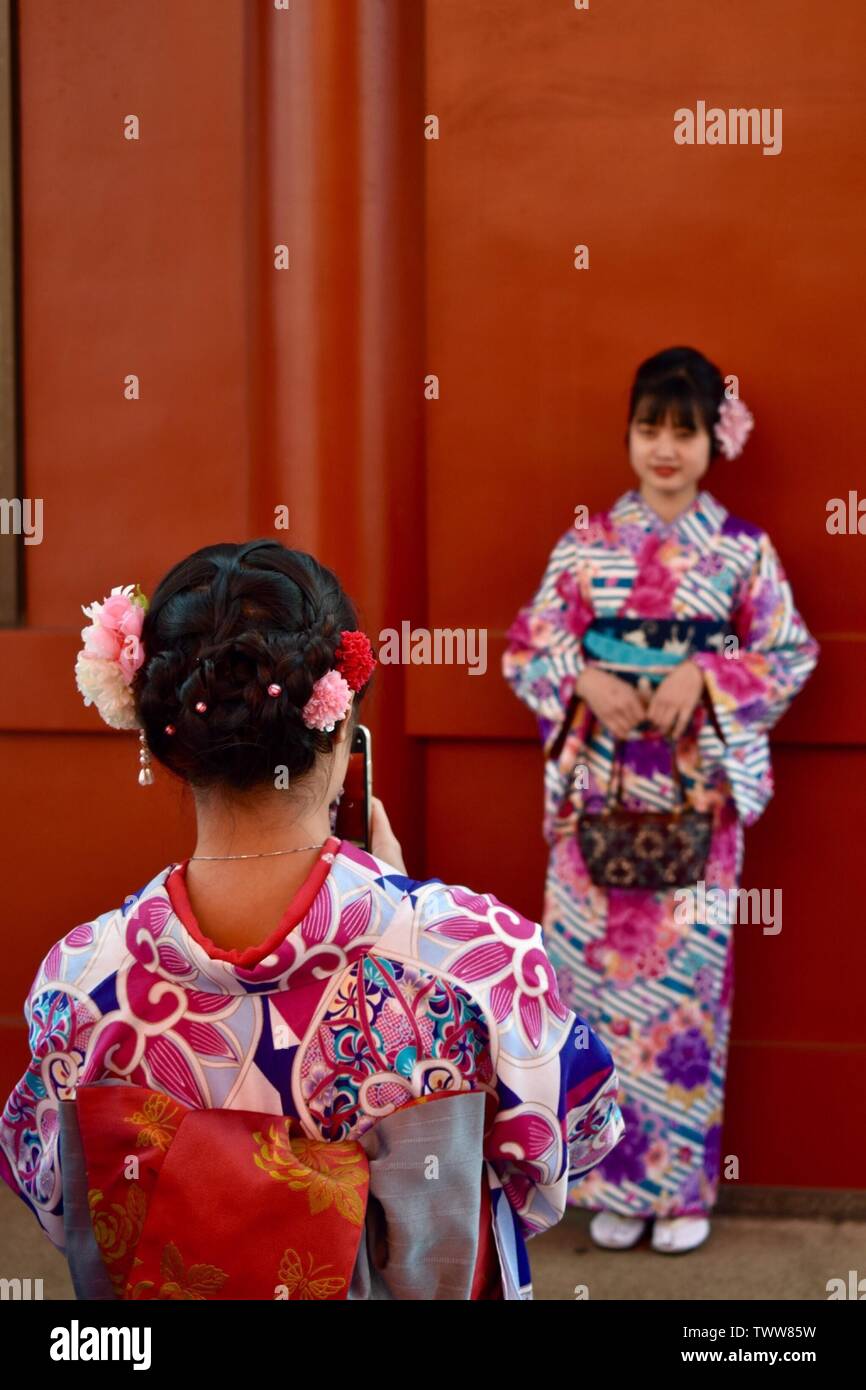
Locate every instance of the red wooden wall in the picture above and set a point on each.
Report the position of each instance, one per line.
(453, 257)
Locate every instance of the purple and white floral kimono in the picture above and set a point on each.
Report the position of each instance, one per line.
(636, 596)
(374, 992)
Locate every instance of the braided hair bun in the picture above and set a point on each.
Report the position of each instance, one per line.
(223, 625)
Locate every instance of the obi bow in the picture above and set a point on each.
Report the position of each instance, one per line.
(162, 1201)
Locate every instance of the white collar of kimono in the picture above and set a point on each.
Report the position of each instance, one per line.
(699, 521)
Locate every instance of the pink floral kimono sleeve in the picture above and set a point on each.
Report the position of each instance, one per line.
(544, 655)
(751, 687)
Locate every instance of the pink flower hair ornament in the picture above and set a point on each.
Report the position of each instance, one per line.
(328, 703)
(733, 427)
(111, 655)
(332, 693)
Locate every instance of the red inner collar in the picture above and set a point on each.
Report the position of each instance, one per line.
(297, 909)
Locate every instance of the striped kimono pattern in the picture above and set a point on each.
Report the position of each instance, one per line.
(656, 988)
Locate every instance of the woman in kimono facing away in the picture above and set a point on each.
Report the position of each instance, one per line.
(667, 624)
(293, 1039)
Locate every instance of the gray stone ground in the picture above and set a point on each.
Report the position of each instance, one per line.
(745, 1257)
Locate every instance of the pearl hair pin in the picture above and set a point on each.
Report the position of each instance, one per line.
(145, 776)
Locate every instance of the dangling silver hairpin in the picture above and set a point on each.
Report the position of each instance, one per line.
(145, 776)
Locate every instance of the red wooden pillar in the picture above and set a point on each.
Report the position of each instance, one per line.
(336, 175)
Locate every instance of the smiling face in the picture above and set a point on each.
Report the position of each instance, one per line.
(669, 455)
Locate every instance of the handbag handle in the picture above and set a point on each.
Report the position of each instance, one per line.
(617, 766)
(559, 743)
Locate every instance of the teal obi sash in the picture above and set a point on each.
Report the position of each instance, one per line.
(650, 647)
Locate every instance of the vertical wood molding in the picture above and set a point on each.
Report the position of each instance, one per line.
(336, 173)
(9, 542)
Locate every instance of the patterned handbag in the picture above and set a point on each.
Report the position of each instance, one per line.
(644, 849)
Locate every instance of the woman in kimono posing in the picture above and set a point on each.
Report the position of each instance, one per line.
(666, 624)
(244, 1077)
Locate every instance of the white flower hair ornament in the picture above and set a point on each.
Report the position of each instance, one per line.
(733, 427)
(110, 657)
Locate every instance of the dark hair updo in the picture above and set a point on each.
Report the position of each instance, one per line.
(683, 383)
(223, 625)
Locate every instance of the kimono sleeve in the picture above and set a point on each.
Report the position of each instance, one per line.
(749, 690)
(555, 1081)
(562, 1122)
(543, 656)
(29, 1127)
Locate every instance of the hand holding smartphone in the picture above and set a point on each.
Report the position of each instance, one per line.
(357, 815)
(351, 812)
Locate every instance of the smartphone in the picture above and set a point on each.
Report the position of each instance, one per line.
(350, 812)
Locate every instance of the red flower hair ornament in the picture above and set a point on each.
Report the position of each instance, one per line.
(354, 663)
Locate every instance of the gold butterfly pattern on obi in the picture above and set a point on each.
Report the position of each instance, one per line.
(310, 1283)
(331, 1173)
(157, 1122)
(198, 1283)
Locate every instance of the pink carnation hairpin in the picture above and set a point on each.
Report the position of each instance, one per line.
(332, 693)
(328, 702)
(733, 427)
(111, 655)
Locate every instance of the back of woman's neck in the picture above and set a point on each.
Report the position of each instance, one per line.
(240, 903)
